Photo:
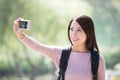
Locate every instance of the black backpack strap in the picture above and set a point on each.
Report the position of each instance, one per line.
(63, 63)
(94, 63)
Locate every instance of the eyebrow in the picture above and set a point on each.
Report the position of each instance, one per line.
(79, 28)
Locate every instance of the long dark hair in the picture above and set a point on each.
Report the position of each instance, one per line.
(88, 26)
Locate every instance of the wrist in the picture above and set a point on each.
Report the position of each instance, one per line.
(21, 36)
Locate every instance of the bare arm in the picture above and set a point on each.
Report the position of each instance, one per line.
(49, 51)
(46, 50)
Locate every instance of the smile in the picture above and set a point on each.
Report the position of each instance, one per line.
(75, 39)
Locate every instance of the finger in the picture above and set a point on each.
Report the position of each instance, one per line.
(20, 31)
(15, 26)
(17, 21)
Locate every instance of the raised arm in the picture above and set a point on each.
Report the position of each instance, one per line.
(52, 52)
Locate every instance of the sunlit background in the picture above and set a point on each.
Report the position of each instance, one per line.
(50, 19)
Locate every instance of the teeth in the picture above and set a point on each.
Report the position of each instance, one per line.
(75, 40)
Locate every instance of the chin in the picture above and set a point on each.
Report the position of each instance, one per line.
(75, 44)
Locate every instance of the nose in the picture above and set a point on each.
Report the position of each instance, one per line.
(74, 34)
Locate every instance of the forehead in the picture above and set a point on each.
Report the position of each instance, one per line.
(75, 24)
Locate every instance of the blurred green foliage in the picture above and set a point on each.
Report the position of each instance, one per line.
(112, 59)
(49, 26)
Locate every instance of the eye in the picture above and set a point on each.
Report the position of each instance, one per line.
(71, 29)
(79, 30)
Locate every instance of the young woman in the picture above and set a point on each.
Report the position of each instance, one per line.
(82, 37)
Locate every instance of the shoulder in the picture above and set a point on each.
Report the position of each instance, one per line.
(102, 68)
(101, 57)
(101, 61)
(58, 49)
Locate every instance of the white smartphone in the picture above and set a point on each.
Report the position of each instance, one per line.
(24, 24)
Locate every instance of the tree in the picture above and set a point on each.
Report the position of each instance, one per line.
(13, 48)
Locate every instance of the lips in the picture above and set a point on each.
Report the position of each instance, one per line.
(75, 39)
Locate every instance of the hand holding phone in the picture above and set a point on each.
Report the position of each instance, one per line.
(19, 25)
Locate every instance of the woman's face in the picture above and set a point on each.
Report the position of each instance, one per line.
(77, 35)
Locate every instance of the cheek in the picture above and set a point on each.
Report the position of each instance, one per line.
(70, 34)
(85, 37)
(82, 38)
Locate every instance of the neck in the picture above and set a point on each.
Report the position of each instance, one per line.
(81, 48)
